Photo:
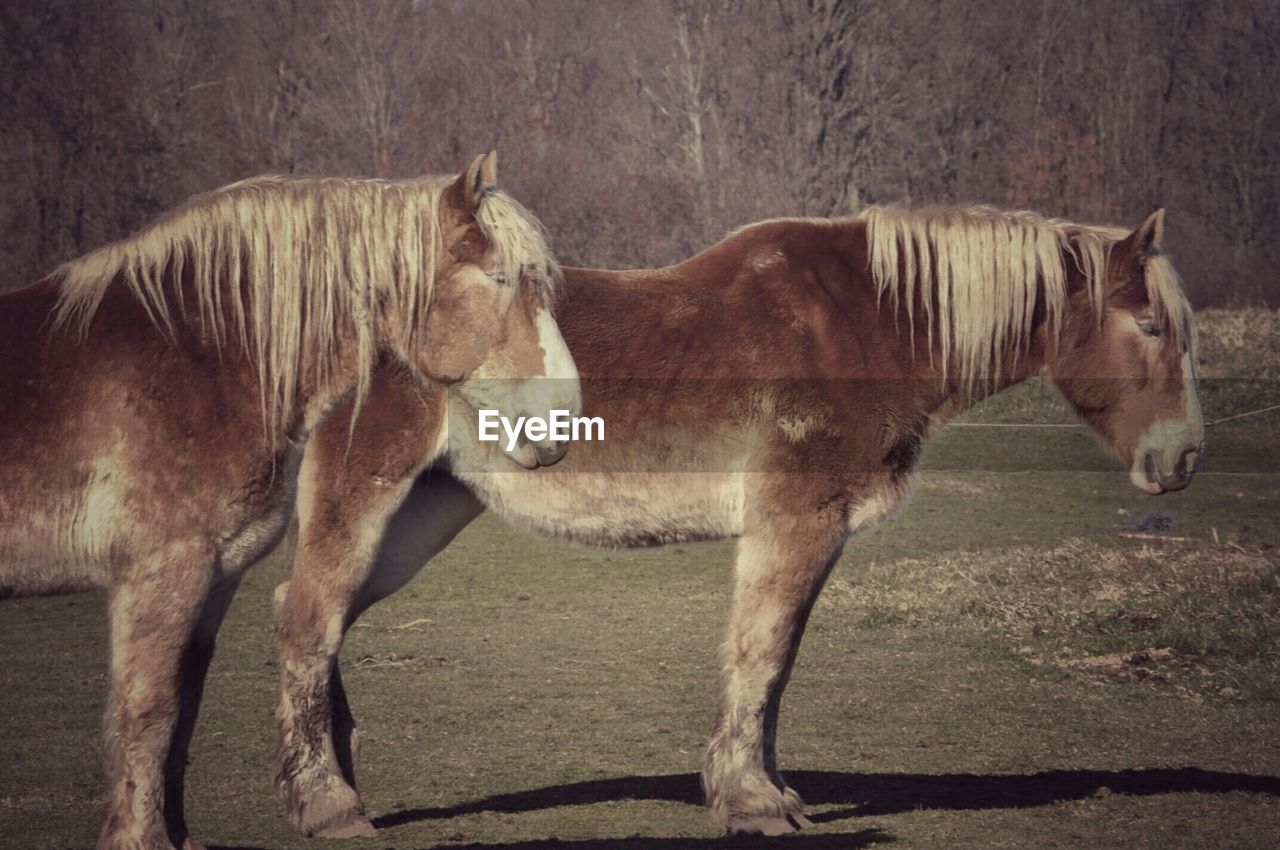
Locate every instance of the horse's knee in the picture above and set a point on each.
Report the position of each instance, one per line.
(311, 621)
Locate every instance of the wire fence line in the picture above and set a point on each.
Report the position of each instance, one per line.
(1208, 423)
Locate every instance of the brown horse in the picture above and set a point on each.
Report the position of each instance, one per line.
(777, 388)
(158, 393)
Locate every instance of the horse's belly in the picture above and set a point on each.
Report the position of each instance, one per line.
(616, 508)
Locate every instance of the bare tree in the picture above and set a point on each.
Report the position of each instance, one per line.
(68, 155)
(1233, 120)
(266, 86)
(642, 131)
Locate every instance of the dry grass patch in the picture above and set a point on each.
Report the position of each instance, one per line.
(1239, 343)
(1204, 619)
(1239, 361)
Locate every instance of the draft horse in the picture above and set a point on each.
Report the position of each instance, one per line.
(777, 388)
(158, 394)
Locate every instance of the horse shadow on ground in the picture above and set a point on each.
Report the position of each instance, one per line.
(843, 841)
(857, 795)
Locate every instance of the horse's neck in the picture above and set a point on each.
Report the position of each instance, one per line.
(961, 395)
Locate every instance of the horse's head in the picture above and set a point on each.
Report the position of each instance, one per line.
(1130, 370)
(489, 328)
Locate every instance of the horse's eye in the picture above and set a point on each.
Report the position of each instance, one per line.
(1149, 327)
(497, 277)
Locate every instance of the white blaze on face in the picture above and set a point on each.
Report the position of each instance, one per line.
(558, 366)
(1166, 437)
(521, 398)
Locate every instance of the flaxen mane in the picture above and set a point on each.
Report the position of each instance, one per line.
(982, 271)
(286, 265)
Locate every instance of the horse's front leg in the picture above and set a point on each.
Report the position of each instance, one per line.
(319, 742)
(316, 774)
(154, 612)
(781, 566)
(193, 670)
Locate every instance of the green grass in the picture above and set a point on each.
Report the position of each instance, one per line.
(998, 666)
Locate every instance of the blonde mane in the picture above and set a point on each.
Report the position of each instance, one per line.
(982, 271)
(286, 266)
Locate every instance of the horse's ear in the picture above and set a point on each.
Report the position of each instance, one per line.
(1148, 238)
(1134, 252)
(480, 177)
(487, 180)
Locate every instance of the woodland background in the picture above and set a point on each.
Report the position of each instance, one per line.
(641, 132)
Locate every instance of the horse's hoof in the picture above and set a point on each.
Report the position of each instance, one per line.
(357, 827)
(334, 811)
(760, 825)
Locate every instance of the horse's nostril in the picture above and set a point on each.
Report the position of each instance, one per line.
(1179, 474)
(1189, 460)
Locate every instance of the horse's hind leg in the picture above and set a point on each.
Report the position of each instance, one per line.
(781, 566)
(194, 667)
(313, 610)
(319, 743)
(153, 614)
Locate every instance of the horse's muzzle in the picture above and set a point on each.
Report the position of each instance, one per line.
(533, 455)
(551, 452)
(1184, 468)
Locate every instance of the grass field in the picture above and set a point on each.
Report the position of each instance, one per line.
(1003, 665)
